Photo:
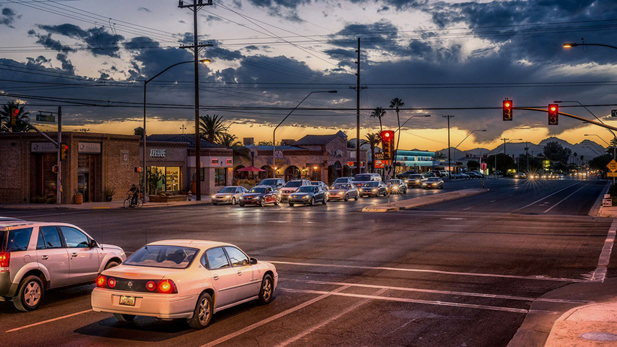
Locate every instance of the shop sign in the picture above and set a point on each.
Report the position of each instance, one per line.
(353, 164)
(43, 147)
(278, 154)
(89, 147)
(158, 153)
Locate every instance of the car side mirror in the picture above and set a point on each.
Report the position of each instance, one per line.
(253, 261)
(92, 244)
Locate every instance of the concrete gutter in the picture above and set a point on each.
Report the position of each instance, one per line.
(422, 201)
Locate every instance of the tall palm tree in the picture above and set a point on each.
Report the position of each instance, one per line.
(396, 102)
(373, 140)
(378, 113)
(211, 127)
(22, 118)
(228, 140)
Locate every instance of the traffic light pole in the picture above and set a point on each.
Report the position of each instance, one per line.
(59, 175)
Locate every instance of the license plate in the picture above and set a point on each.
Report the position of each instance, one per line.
(127, 300)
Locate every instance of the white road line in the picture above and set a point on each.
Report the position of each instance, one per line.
(600, 273)
(327, 321)
(564, 199)
(446, 292)
(468, 208)
(272, 318)
(546, 197)
(48, 321)
(538, 278)
(424, 302)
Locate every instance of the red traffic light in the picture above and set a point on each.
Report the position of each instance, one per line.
(553, 114)
(507, 110)
(14, 112)
(138, 169)
(387, 141)
(64, 151)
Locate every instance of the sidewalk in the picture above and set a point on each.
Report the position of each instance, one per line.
(423, 200)
(589, 325)
(104, 205)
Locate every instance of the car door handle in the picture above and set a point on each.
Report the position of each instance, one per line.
(44, 257)
(239, 273)
(216, 277)
(73, 255)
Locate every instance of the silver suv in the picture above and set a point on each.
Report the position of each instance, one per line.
(36, 256)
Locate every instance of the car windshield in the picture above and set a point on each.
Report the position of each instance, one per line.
(340, 186)
(228, 190)
(306, 189)
(341, 179)
(268, 182)
(416, 176)
(372, 184)
(170, 257)
(433, 179)
(293, 184)
(259, 190)
(363, 177)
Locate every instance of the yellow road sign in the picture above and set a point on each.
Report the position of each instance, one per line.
(612, 165)
(611, 174)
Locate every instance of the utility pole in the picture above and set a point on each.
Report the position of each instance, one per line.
(449, 160)
(358, 88)
(195, 7)
(527, 156)
(59, 175)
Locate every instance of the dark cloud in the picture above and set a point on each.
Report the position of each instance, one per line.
(144, 9)
(149, 58)
(40, 60)
(282, 8)
(66, 63)
(251, 48)
(98, 40)
(49, 43)
(8, 17)
(397, 4)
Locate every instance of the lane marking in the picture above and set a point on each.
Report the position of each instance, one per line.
(425, 302)
(600, 273)
(539, 278)
(468, 208)
(48, 321)
(546, 197)
(446, 292)
(272, 318)
(327, 321)
(564, 199)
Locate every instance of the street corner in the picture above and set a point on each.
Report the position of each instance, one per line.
(589, 325)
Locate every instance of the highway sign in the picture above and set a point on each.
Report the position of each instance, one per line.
(613, 113)
(612, 165)
(611, 174)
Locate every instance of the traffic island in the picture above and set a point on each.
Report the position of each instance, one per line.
(422, 201)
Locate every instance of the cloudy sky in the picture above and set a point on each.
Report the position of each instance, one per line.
(439, 57)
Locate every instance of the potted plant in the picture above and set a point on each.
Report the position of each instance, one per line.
(79, 198)
(109, 193)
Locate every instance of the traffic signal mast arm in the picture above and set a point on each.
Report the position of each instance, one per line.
(569, 115)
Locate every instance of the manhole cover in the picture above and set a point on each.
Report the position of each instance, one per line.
(599, 336)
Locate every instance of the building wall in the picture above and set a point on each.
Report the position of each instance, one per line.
(15, 166)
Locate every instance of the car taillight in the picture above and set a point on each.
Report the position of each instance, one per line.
(5, 258)
(101, 281)
(151, 286)
(167, 287)
(111, 282)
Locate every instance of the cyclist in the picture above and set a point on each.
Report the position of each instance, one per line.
(134, 191)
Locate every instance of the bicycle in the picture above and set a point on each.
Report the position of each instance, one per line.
(128, 202)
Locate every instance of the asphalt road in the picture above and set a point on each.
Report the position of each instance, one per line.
(459, 273)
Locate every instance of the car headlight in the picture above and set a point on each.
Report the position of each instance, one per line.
(406, 181)
(305, 197)
(341, 193)
(227, 196)
(213, 196)
(374, 189)
(417, 181)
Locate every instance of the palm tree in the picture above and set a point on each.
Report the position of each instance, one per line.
(575, 161)
(211, 127)
(378, 113)
(228, 140)
(373, 140)
(22, 118)
(396, 102)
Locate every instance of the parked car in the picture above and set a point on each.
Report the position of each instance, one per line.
(475, 174)
(190, 279)
(459, 175)
(433, 182)
(259, 195)
(274, 183)
(397, 186)
(320, 184)
(361, 179)
(414, 180)
(343, 191)
(37, 256)
(291, 187)
(309, 195)
(375, 188)
(228, 195)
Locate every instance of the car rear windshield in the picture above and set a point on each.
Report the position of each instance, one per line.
(363, 178)
(170, 257)
(293, 184)
(17, 240)
(260, 190)
(228, 190)
(268, 182)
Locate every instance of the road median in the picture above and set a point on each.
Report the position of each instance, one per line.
(422, 201)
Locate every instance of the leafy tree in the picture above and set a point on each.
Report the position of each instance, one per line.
(600, 162)
(373, 140)
(378, 113)
(504, 162)
(211, 127)
(473, 165)
(228, 140)
(138, 131)
(22, 118)
(352, 143)
(554, 151)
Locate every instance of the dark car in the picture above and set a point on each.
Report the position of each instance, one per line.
(260, 196)
(375, 188)
(291, 187)
(361, 179)
(414, 180)
(397, 186)
(308, 195)
(433, 182)
(343, 191)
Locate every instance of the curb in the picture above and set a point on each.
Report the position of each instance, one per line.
(596, 209)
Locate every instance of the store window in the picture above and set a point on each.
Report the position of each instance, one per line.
(220, 177)
(164, 179)
(172, 179)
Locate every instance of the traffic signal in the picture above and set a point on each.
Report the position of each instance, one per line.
(553, 114)
(387, 141)
(507, 110)
(64, 151)
(138, 169)
(14, 113)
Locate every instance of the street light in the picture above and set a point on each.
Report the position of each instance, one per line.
(144, 173)
(315, 171)
(290, 112)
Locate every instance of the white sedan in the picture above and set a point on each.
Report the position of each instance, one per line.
(189, 279)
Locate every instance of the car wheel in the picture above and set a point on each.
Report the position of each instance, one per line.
(202, 315)
(124, 317)
(29, 294)
(214, 203)
(346, 197)
(291, 204)
(233, 201)
(111, 264)
(324, 201)
(312, 201)
(267, 289)
(262, 202)
(356, 198)
(241, 204)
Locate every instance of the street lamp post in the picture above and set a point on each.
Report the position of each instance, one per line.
(290, 112)
(143, 171)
